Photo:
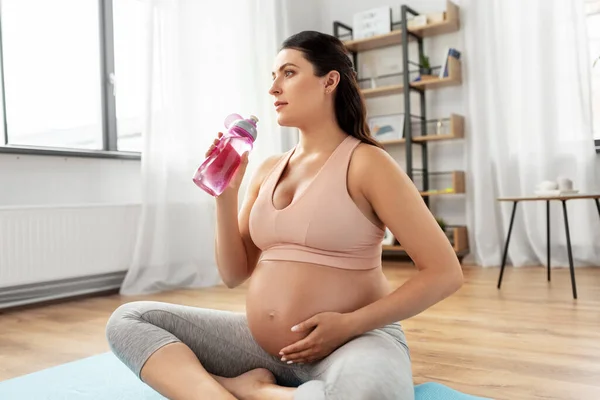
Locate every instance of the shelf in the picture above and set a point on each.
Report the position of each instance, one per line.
(439, 192)
(382, 91)
(457, 131)
(449, 25)
(392, 142)
(375, 42)
(458, 185)
(435, 138)
(454, 78)
(460, 241)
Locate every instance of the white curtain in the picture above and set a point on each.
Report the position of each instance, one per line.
(527, 78)
(204, 61)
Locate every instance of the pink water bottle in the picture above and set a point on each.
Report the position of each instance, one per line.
(215, 173)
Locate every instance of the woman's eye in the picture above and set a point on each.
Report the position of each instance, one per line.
(289, 73)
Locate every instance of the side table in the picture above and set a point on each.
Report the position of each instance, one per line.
(547, 199)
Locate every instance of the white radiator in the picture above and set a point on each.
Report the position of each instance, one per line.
(41, 245)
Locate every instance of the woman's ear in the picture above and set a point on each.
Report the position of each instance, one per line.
(332, 79)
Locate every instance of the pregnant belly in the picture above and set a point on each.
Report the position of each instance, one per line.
(282, 294)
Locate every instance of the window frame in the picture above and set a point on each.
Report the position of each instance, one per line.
(108, 102)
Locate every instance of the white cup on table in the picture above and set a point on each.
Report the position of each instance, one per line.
(564, 183)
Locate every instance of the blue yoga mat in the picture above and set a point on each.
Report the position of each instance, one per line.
(104, 377)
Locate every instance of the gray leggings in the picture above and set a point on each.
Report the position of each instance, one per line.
(375, 365)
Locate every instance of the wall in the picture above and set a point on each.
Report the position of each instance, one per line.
(444, 155)
(27, 180)
(303, 15)
(65, 217)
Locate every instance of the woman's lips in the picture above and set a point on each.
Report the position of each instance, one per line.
(279, 105)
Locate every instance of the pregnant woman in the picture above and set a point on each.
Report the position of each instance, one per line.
(321, 320)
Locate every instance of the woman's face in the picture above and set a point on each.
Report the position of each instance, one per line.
(298, 94)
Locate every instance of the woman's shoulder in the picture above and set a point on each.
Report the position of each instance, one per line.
(370, 158)
(373, 167)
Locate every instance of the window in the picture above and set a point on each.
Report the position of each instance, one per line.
(71, 76)
(51, 75)
(592, 9)
(129, 63)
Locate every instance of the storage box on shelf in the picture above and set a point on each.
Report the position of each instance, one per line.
(403, 37)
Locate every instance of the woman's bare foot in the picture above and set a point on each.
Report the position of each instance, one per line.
(246, 384)
(256, 384)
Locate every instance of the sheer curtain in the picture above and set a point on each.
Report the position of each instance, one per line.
(204, 61)
(527, 76)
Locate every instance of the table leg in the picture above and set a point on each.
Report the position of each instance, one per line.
(512, 220)
(548, 235)
(598, 206)
(569, 251)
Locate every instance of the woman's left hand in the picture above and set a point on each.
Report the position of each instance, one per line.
(330, 330)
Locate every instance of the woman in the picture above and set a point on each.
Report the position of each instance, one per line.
(321, 319)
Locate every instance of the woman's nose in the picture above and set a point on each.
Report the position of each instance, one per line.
(275, 89)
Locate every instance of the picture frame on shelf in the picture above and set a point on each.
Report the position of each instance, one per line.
(387, 127)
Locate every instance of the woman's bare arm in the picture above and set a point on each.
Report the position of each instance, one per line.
(235, 252)
(399, 205)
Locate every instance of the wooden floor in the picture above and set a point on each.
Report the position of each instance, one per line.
(530, 340)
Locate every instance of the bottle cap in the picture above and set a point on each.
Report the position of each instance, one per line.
(248, 125)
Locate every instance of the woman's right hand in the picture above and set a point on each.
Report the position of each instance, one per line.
(236, 181)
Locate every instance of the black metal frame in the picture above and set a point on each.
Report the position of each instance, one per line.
(108, 104)
(597, 143)
(567, 233)
(408, 89)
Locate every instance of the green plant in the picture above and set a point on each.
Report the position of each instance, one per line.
(595, 61)
(425, 67)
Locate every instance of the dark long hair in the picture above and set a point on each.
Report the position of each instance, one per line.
(327, 53)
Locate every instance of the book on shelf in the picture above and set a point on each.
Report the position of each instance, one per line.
(450, 52)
